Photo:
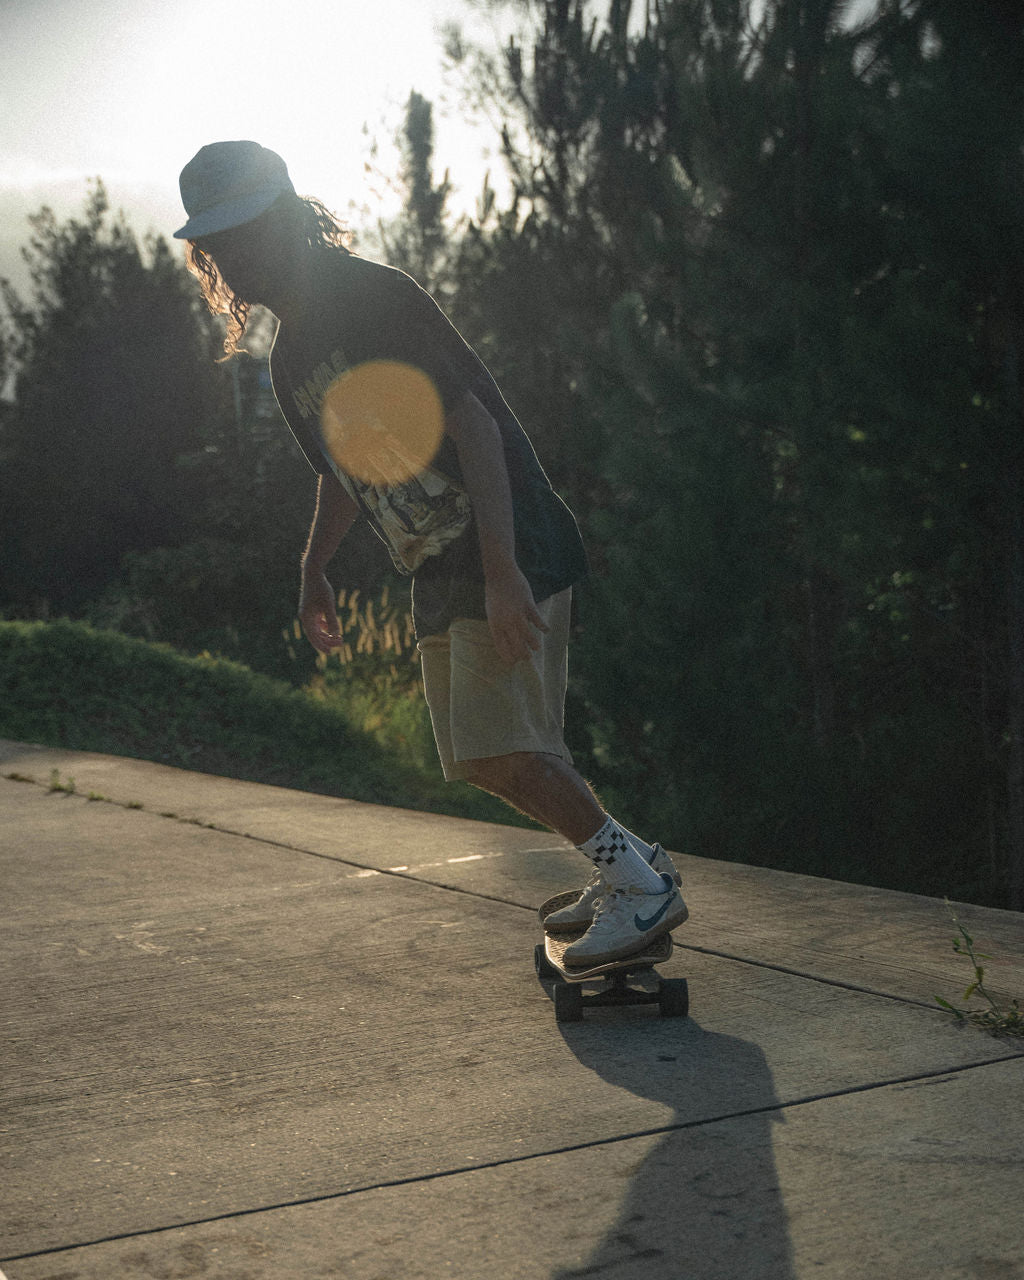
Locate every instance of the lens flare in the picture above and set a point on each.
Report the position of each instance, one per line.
(382, 422)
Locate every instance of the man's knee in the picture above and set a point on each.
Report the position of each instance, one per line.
(517, 774)
(497, 774)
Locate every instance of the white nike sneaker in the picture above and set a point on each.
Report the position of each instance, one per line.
(625, 921)
(582, 910)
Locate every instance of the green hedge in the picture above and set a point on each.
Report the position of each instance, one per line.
(66, 684)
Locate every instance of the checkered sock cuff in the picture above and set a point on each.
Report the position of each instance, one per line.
(608, 846)
(619, 862)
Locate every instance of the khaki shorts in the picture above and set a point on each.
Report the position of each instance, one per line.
(480, 707)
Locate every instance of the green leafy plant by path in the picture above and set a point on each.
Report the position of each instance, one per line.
(65, 684)
(995, 1018)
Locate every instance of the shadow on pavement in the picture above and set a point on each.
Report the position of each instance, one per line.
(705, 1203)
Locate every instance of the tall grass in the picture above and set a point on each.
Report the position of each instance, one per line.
(374, 678)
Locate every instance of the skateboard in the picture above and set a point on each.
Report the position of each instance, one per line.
(629, 980)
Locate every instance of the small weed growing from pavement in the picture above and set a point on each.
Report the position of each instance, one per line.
(995, 1019)
(58, 784)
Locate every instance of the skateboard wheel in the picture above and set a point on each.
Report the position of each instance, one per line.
(674, 998)
(568, 1002)
(544, 967)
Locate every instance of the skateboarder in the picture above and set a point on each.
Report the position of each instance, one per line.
(493, 551)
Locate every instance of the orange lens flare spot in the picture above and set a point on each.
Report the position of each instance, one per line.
(382, 422)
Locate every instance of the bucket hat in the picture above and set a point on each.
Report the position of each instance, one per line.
(228, 183)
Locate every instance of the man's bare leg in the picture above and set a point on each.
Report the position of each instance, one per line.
(545, 788)
(550, 791)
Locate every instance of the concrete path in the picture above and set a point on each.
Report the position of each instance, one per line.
(253, 1033)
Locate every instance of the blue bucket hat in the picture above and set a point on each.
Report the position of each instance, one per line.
(228, 183)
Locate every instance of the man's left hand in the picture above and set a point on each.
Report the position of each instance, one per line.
(513, 617)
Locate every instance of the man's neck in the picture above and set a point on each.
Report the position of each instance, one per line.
(296, 293)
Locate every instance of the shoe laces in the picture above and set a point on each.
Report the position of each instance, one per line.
(610, 909)
(596, 885)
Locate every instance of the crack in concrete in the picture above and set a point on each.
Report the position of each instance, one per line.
(462, 1170)
(409, 873)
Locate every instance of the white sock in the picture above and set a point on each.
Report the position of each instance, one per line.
(645, 850)
(620, 862)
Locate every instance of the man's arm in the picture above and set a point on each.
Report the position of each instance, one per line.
(335, 514)
(511, 609)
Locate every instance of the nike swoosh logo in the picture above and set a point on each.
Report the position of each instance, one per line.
(643, 925)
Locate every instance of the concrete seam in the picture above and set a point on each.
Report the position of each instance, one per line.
(471, 893)
(811, 977)
(461, 1170)
(487, 897)
(266, 840)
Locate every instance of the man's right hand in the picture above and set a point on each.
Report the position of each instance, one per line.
(317, 612)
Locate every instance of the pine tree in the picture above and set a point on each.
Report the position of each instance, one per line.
(145, 486)
(802, 424)
(419, 239)
(110, 380)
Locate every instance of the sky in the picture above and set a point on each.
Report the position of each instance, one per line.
(129, 90)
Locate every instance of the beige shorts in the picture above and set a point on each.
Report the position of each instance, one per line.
(480, 707)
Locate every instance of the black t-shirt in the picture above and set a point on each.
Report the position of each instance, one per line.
(363, 311)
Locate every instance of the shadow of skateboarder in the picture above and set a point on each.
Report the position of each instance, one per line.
(705, 1202)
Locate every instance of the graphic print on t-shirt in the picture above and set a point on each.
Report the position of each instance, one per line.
(380, 424)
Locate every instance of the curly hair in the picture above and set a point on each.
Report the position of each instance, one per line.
(322, 230)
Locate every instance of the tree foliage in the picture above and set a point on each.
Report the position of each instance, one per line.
(110, 379)
(144, 485)
(777, 279)
(418, 240)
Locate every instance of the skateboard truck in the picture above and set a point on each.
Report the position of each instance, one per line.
(629, 980)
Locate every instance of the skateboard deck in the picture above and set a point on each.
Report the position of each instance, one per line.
(629, 980)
